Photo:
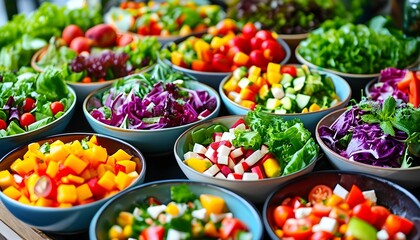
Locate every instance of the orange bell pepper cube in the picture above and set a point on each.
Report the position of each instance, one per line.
(75, 163)
(122, 180)
(6, 179)
(241, 59)
(198, 65)
(121, 155)
(83, 192)
(130, 166)
(404, 84)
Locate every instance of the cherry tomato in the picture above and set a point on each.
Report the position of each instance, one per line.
(321, 235)
(381, 214)
(355, 196)
(71, 32)
(319, 193)
(3, 124)
(297, 202)
(281, 214)
(221, 63)
(242, 43)
(297, 228)
(362, 211)
(264, 35)
(28, 104)
(249, 30)
(256, 43)
(258, 59)
(273, 50)
(56, 107)
(153, 233)
(230, 226)
(26, 119)
(226, 25)
(289, 69)
(394, 224)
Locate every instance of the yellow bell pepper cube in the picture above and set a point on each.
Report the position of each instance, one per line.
(25, 166)
(216, 42)
(65, 205)
(201, 46)
(83, 192)
(86, 175)
(305, 110)
(75, 179)
(255, 71)
(247, 103)
(240, 59)
(127, 231)
(185, 30)
(176, 58)
(58, 152)
(273, 77)
(107, 181)
(212, 204)
(125, 218)
(111, 161)
(129, 165)
(272, 168)
(52, 169)
(94, 140)
(100, 153)
(76, 148)
(115, 232)
(122, 180)
(200, 165)
(333, 200)
(6, 179)
(229, 36)
(231, 85)
(314, 107)
(263, 91)
(33, 147)
(44, 202)
(75, 163)
(66, 193)
(273, 67)
(12, 192)
(121, 155)
(23, 199)
(211, 230)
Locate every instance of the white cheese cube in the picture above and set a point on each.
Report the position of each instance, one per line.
(210, 153)
(220, 175)
(250, 176)
(302, 212)
(154, 211)
(175, 235)
(198, 148)
(400, 236)
(328, 224)
(190, 154)
(223, 160)
(340, 191)
(228, 136)
(277, 92)
(264, 149)
(382, 235)
(223, 150)
(200, 214)
(232, 95)
(254, 158)
(370, 195)
(238, 168)
(316, 228)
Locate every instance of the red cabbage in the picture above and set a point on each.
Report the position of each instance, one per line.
(387, 85)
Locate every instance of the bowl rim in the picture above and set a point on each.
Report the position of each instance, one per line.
(293, 36)
(201, 86)
(343, 159)
(342, 103)
(65, 114)
(328, 172)
(141, 175)
(282, 42)
(216, 120)
(249, 205)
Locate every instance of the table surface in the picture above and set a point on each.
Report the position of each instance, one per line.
(159, 167)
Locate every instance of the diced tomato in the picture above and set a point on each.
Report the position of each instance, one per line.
(249, 30)
(64, 171)
(381, 214)
(319, 193)
(355, 196)
(394, 224)
(230, 226)
(322, 235)
(297, 202)
(221, 63)
(119, 167)
(239, 121)
(314, 219)
(364, 212)
(95, 188)
(297, 228)
(289, 69)
(3, 124)
(153, 201)
(321, 210)
(153, 233)
(281, 214)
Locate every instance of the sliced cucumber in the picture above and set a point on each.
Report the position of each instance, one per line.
(290, 90)
(272, 103)
(298, 83)
(300, 72)
(280, 111)
(286, 103)
(302, 100)
(286, 78)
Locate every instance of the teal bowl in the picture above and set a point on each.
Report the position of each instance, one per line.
(309, 119)
(107, 214)
(57, 126)
(74, 219)
(153, 141)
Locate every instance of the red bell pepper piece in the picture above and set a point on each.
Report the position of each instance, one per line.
(355, 196)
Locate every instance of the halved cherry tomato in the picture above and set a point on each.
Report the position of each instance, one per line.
(363, 211)
(273, 50)
(28, 104)
(281, 214)
(319, 193)
(321, 235)
(381, 214)
(26, 119)
(56, 107)
(289, 69)
(3, 124)
(249, 30)
(230, 226)
(297, 228)
(153, 233)
(264, 35)
(258, 59)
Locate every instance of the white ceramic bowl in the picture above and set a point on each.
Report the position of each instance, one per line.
(254, 190)
(407, 177)
(213, 78)
(153, 141)
(57, 126)
(77, 218)
(309, 119)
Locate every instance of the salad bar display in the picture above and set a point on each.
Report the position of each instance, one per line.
(86, 90)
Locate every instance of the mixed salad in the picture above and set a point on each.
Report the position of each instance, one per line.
(256, 147)
(29, 100)
(359, 49)
(379, 133)
(155, 100)
(164, 18)
(185, 216)
(338, 213)
(281, 89)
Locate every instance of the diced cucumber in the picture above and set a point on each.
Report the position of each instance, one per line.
(244, 82)
(286, 78)
(300, 72)
(286, 103)
(291, 96)
(302, 100)
(280, 111)
(298, 83)
(272, 103)
(277, 92)
(360, 229)
(290, 90)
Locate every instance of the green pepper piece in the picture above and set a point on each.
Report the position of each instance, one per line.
(360, 229)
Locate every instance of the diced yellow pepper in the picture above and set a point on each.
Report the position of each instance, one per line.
(6, 179)
(44, 202)
(75, 163)
(121, 155)
(272, 167)
(83, 192)
(94, 140)
(65, 205)
(12, 192)
(273, 77)
(263, 91)
(253, 78)
(111, 161)
(107, 181)
(56, 143)
(212, 204)
(100, 153)
(197, 229)
(76, 148)
(314, 107)
(75, 179)
(200, 165)
(273, 67)
(200, 46)
(305, 110)
(30, 184)
(185, 30)
(23, 199)
(255, 71)
(86, 174)
(333, 200)
(216, 42)
(172, 209)
(129, 165)
(125, 218)
(122, 180)
(176, 58)
(115, 232)
(66, 193)
(241, 59)
(127, 231)
(211, 230)
(52, 169)
(279, 233)
(32, 147)
(58, 152)
(25, 166)
(231, 85)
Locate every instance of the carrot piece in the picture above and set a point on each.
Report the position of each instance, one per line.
(198, 65)
(414, 95)
(404, 84)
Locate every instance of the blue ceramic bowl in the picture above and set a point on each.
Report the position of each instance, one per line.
(66, 220)
(153, 141)
(106, 216)
(309, 119)
(57, 126)
(397, 199)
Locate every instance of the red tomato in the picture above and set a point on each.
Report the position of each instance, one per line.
(297, 228)
(28, 104)
(255, 43)
(264, 35)
(281, 214)
(153, 233)
(319, 193)
(221, 63)
(321, 210)
(275, 52)
(57, 107)
(297, 202)
(394, 224)
(226, 25)
(242, 43)
(95, 188)
(26, 119)
(289, 69)
(153, 201)
(249, 30)
(363, 211)
(80, 44)
(231, 52)
(71, 32)
(322, 235)
(3, 124)
(143, 30)
(124, 40)
(381, 214)
(314, 219)
(155, 29)
(230, 226)
(258, 59)
(355, 196)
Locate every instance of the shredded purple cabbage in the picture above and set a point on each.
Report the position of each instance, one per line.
(358, 141)
(166, 105)
(387, 85)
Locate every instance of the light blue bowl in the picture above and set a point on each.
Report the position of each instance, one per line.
(106, 216)
(66, 220)
(153, 141)
(309, 119)
(57, 126)
(213, 78)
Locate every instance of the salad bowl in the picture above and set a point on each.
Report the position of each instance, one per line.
(406, 177)
(341, 89)
(392, 196)
(106, 217)
(74, 218)
(255, 190)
